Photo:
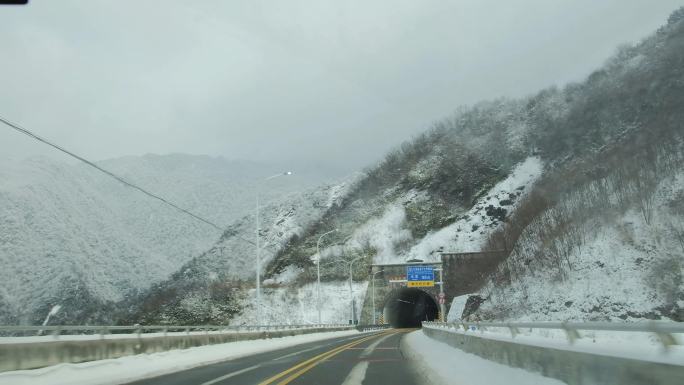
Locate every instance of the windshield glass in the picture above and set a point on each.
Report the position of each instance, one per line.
(342, 192)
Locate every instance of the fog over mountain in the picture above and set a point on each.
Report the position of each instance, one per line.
(578, 189)
(576, 182)
(70, 235)
(334, 83)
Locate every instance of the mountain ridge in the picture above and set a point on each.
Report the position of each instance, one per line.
(69, 231)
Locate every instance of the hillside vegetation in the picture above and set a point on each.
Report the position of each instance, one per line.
(73, 237)
(581, 185)
(612, 153)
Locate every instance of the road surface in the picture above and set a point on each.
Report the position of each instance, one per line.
(368, 359)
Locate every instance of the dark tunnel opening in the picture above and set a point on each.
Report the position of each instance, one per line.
(408, 307)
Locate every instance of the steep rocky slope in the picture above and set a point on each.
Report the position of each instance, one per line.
(596, 230)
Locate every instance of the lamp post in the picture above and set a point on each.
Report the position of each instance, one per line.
(53, 311)
(258, 249)
(373, 294)
(351, 291)
(318, 273)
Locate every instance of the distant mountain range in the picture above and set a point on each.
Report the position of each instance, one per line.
(70, 235)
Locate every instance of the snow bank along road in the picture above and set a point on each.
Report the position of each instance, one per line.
(396, 357)
(366, 358)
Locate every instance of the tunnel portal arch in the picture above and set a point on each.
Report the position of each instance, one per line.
(407, 307)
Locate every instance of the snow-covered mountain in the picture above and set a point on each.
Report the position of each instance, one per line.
(582, 186)
(214, 286)
(70, 235)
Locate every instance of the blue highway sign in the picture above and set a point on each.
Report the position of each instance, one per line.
(420, 276)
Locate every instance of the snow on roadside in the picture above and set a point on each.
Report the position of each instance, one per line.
(633, 345)
(47, 337)
(457, 306)
(472, 230)
(297, 305)
(126, 369)
(442, 364)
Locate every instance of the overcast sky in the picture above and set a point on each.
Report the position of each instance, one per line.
(335, 83)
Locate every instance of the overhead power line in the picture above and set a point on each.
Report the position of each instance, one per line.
(120, 179)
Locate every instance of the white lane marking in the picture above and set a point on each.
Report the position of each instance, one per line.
(369, 350)
(229, 375)
(357, 374)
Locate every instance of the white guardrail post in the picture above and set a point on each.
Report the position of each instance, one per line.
(59, 330)
(36, 351)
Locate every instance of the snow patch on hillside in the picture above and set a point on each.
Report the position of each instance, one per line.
(233, 255)
(384, 234)
(625, 270)
(297, 305)
(472, 229)
(340, 191)
(68, 232)
(393, 242)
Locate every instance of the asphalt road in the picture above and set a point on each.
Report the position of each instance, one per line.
(368, 359)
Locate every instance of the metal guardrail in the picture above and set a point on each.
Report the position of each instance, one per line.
(58, 330)
(371, 328)
(662, 329)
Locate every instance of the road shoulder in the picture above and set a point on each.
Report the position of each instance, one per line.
(131, 368)
(438, 363)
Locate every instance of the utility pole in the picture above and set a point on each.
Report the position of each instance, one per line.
(318, 274)
(442, 307)
(258, 248)
(351, 291)
(258, 263)
(373, 294)
(442, 295)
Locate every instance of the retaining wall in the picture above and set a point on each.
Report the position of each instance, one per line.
(571, 367)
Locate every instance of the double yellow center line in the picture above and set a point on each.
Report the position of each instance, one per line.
(303, 367)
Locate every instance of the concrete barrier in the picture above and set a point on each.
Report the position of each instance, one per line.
(571, 367)
(32, 355)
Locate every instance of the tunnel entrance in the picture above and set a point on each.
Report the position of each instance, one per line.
(407, 307)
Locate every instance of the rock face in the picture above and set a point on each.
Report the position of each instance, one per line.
(472, 305)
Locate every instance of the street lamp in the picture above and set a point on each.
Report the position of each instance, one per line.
(258, 249)
(318, 274)
(53, 311)
(351, 291)
(373, 293)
